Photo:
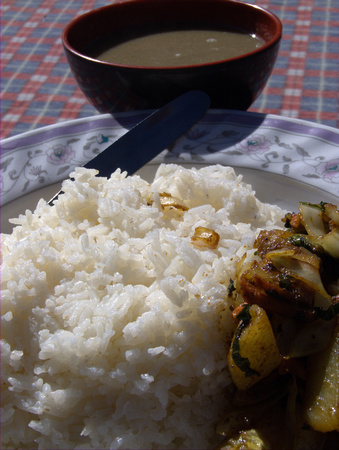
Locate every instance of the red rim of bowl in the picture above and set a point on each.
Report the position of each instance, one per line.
(275, 39)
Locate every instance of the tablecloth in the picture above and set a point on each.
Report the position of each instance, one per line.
(38, 89)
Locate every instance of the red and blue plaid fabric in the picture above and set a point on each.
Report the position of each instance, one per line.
(37, 87)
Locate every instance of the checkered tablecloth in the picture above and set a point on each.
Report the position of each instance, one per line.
(37, 87)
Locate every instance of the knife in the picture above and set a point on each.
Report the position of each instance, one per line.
(150, 136)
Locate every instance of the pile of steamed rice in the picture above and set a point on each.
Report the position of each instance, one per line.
(114, 325)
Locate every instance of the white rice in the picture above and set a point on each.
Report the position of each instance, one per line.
(114, 326)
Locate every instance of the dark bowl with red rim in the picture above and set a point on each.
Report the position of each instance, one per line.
(232, 83)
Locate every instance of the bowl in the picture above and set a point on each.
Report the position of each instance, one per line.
(232, 83)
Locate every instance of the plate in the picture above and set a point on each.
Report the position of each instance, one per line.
(285, 160)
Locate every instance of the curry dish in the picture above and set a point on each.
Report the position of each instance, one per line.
(284, 355)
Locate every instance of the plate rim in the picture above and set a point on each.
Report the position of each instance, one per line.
(127, 114)
(241, 119)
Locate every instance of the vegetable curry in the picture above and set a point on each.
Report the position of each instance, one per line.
(284, 354)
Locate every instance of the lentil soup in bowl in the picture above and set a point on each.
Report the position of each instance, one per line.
(158, 50)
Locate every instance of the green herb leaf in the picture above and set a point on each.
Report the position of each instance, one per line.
(230, 288)
(329, 313)
(300, 240)
(243, 363)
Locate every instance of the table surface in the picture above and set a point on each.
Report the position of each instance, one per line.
(38, 89)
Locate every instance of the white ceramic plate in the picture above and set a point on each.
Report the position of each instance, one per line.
(285, 160)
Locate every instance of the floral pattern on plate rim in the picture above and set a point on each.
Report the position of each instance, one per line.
(297, 149)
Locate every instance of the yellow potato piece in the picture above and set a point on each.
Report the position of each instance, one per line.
(257, 343)
(322, 390)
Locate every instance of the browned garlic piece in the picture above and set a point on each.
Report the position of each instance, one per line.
(205, 238)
